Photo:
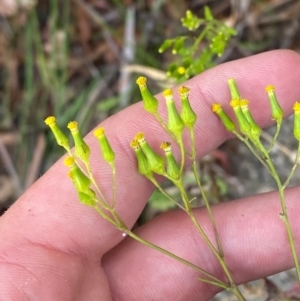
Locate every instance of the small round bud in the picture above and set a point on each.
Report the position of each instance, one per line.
(181, 70)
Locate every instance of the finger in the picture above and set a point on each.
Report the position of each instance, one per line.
(69, 226)
(253, 238)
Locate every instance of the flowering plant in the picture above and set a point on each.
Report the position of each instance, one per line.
(150, 163)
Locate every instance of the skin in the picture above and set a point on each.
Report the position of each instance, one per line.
(54, 248)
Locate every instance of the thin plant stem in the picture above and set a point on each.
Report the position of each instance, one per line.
(212, 279)
(189, 211)
(284, 217)
(223, 264)
(293, 168)
(207, 205)
(206, 202)
(248, 143)
(88, 172)
(124, 228)
(165, 193)
(105, 216)
(225, 287)
(216, 281)
(205, 237)
(90, 175)
(165, 127)
(182, 153)
(279, 123)
(198, 40)
(235, 290)
(284, 214)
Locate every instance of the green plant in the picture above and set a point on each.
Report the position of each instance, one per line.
(149, 164)
(196, 53)
(249, 132)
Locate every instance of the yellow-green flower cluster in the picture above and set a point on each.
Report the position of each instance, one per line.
(150, 162)
(246, 122)
(176, 123)
(82, 180)
(155, 162)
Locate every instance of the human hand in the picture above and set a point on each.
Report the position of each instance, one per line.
(54, 248)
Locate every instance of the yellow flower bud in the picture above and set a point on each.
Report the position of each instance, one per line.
(173, 168)
(69, 161)
(181, 70)
(175, 123)
(60, 137)
(150, 102)
(226, 120)
(277, 112)
(255, 129)
(81, 148)
(81, 182)
(155, 161)
(107, 152)
(296, 108)
(245, 126)
(187, 114)
(143, 165)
